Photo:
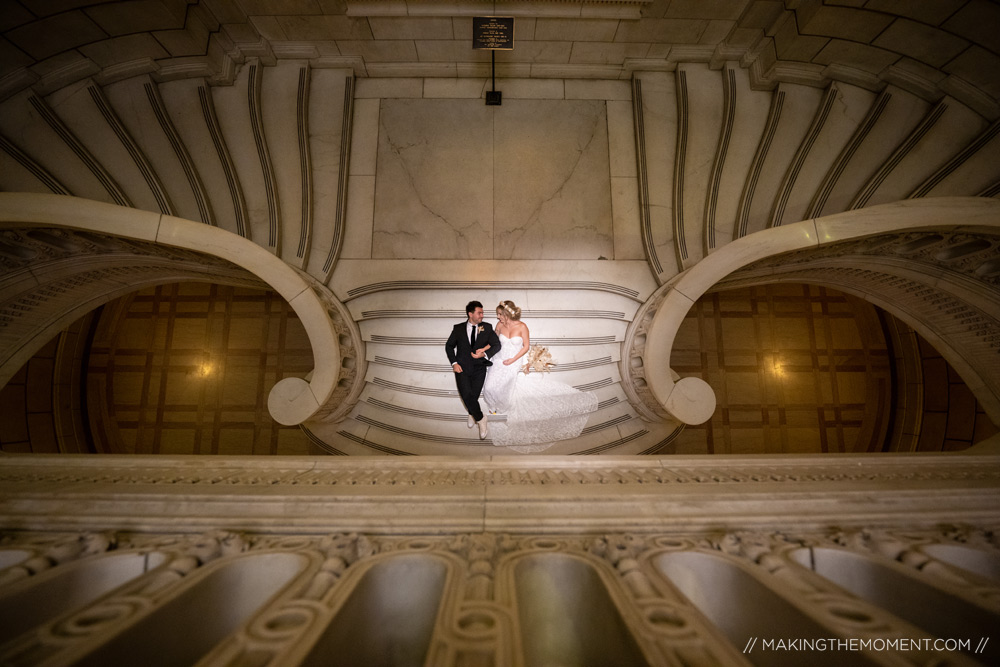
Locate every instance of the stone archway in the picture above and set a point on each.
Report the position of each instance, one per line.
(930, 262)
(64, 256)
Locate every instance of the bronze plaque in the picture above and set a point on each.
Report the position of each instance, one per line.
(493, 33)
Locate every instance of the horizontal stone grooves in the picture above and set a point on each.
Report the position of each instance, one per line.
(611, 445)
(441, 416)
(590, 386)
(374, 445)
(490, 284)
(443, 368)
(424, 414)
(663, 443)
(328, 448)
(450, 440)
(412, 389)
(436, 341)
(525, 314)
(606, 424)
(453, 393)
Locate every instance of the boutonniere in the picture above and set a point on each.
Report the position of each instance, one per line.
(480, 329)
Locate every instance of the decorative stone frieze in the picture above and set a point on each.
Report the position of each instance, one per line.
(344, 584)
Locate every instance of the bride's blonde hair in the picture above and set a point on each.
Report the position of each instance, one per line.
(510, 310)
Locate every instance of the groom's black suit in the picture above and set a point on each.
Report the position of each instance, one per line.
(470, 380)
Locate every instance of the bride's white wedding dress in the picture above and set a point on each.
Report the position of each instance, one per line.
(539, 410)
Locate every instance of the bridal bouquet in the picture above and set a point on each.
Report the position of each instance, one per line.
(538, 359)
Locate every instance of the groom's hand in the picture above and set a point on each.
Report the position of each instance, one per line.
(456, 367)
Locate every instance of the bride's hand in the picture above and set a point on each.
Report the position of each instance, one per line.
(506, 362)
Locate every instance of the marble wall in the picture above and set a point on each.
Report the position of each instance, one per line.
(545, 175)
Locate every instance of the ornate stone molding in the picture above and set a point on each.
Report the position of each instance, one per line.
(290, 401)
(483, 599)
(379, 494)
(965, 301)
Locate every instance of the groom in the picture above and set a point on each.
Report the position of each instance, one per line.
(469, 360)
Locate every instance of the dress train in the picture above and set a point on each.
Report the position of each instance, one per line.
(539, 409)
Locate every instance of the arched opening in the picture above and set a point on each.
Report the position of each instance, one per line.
(744, 608)
(388, 619)
(34, 601)
(567, 616)
(210, 607)
(899, 592)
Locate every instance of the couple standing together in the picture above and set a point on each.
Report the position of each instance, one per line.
(539, 410)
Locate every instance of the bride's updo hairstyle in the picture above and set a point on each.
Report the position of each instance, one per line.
(510, 310)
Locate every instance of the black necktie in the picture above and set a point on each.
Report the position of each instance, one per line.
(472, 337)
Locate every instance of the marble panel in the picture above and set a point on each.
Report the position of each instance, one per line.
(371, 88)
(703, 91)
(364, 137)
(326, 125)
(659, 113)
(607, 53)
(434, 188)
(747, 126)
(625, 216)
(957, 126)
(359, 218)
(386, 51)
(455, 88)
(796, 112)
(843, 22)
(305, 28)
(860, 56)
(537, 51)
(278, 114)
(181, 99)
(123, 49)
(130, 102)
(977, 22)
(978, 67)
(789, 44)
(931, 12)
(450, 51)
(49, 36)
(847, 112)
(621, 139)
(921, 42)
(236, 122)
(716, 32)
(553, 196)
(592, 71)
(576, 30)
(411, 28)
(533, 89)
(582, 89)
(86, 121)
(662, 31)
(415, 70)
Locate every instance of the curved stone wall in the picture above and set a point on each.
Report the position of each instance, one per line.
(208, 252)
(953, 306)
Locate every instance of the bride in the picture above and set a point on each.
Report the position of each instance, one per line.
(539, 410)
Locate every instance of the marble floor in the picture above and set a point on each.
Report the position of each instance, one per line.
(795, 368)
(186, 369)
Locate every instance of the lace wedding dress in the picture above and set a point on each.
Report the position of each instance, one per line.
(539, 410)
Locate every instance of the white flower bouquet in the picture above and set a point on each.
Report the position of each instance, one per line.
(538, 359)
